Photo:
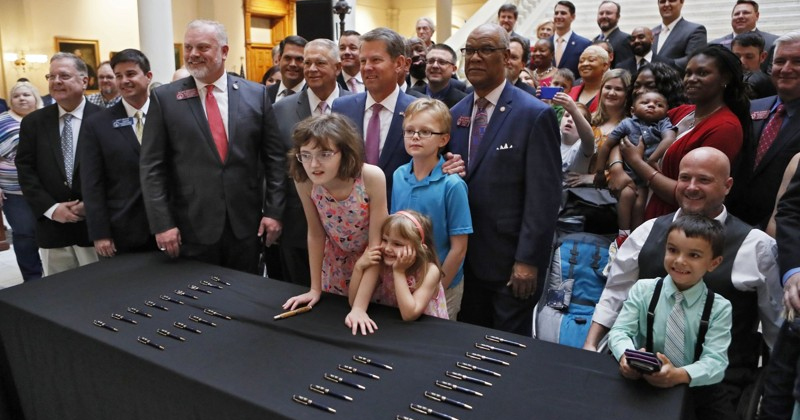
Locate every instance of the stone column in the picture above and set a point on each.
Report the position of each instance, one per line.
(155, 37)
(444, 20)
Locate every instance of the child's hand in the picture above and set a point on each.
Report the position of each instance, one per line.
(626, 370)
(406, 259)
(565, 101)
(309, 298)
(370, 257)
(358, 319)
(668, 376)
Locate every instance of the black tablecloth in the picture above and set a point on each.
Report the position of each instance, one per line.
(55, 364)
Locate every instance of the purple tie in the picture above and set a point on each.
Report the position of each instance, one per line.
(353, 85)
(374, 135)
(478, 128)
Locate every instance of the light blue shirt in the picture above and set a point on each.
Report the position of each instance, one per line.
(630, 328)
(441, 197)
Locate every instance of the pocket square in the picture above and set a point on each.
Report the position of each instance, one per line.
(505, 146)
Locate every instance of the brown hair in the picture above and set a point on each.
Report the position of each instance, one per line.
(417, 229)
(328, 132)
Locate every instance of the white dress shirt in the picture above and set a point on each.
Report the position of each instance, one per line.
(387, 113)
(221, 95)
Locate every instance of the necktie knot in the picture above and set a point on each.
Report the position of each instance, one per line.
(482, 103)
(68, 118)
(780, 111)
(678, 297)
(353, 85)
(769, 134)
(322, 108)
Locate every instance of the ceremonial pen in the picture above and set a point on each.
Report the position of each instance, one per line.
(166, 333)
(459, 376)
(209, 284)
(102, 324)
(216, 314)
(504, 341)
(183, 326)
(152, 304)
(340, 380)
(441, 398)
(169, 299)
(402, 417)
(182, 293)
(297, 311)
(474, 368)
(218, 280)
(306, 401)
(193, 287)
(494, 349)
(454, 387)
(196, 318)
(325, 391)
(477, 356)
(150, 343)
(366, 361)
(350, 369)
(122, 318)
(138, 312)
(425, 410)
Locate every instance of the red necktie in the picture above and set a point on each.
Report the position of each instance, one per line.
(215, 123)
(374, 135)
(769, 134)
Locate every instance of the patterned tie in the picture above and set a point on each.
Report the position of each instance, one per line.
(374, 135)
(601, 37)
(67, 147)
(353, 84)
(287, 92)
(769, 134)
(322, 108)
(139, 125)
(215, 123)
(674, 342)
(478, 128)
(559, 50)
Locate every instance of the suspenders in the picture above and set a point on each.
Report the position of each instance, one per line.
(701, 332)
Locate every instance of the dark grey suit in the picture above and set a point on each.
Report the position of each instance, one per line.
(620, 42)
(769, 44)
(685, 38)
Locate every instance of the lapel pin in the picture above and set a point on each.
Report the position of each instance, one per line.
(502, 109)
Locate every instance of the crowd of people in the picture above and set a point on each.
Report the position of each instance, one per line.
(366, 168)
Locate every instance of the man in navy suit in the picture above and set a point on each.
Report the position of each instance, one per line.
(744, 18)
(49, 167)
(759, 174)
(510, 142)
(209, 141)
(109, 147)
(675, 38)
(383, 62)
(568, 45)
(291, 64)
(320, 67)
(608, 15)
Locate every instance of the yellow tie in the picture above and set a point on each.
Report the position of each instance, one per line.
(139, 125)
(559, 50)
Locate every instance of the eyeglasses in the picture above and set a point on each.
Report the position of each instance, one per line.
(321, 157)
(482, 51)
(432, 61)
(423, 134)
(64, 77)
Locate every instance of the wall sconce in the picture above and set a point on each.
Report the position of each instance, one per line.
(22, 62)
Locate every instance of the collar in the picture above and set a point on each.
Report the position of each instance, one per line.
(690, 295)
(77, 112)
(221, 83)
(297, 88)
(493, 96)
(648, 57)
(671, 26)
(389, 102)
(721, 217)
(414, 80)
(566, 36)
(130, 110)
(404, 87)
(606, 34)
(437, 95)
(435, 175)
(314, 100)
(347, 77)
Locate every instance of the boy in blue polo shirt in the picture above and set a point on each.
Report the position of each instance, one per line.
(694, 247)
(422, 186)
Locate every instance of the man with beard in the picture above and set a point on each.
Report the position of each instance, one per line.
(641, 43)
(109, 94)
(415, 55)
(208, 141)
(608, 15)
(350, 77)
(439, 69)
(291, 63)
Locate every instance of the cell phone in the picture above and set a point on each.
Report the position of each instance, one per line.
(548, 92)
(643, 361)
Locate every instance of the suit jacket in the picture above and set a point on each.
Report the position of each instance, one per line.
(769, 41)
(410, 91)
(393, 153)
(514, 183)
(685, 38)
(752, 197)
(788, 227)
(289, 112)
(40, 166)
(272, 92)
(185, 184)
(112, 191)
(620, 42)
(572, 52)
(526, 88)
(632, 66)
(451, 97)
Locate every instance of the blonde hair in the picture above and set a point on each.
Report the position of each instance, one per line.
(19, 85)
(437, 108)
(417, 229)
(601, 116)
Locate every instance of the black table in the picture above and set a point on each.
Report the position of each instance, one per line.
(55, 364)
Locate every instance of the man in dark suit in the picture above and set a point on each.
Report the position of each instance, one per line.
(507, 18)
(382, 51)
(608, 15)
(641, 46)
(291, 63)
(568, 45)
(675, 38)
(48, 167)
(744, 18)
(351, 66)
(109, 148)
(749, 48)
(321, 64)
(510, 142)
(774, 140)
(517, 58)
(205, 140)
(415, 58)
(439, 69)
